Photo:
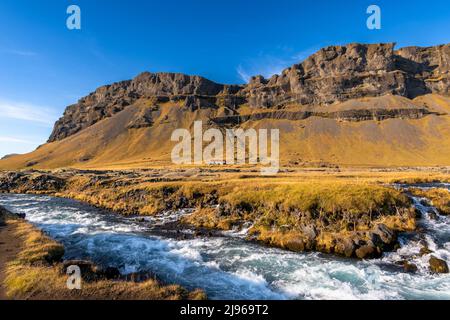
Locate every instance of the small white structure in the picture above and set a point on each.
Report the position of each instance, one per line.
(217, 162)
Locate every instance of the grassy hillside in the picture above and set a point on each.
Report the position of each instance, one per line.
(111, 143)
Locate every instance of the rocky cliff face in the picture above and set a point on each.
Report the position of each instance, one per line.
(111, 99)
(428, 69)
(339, 73)
(336, 73)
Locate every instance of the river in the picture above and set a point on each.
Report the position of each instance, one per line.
(228, 267)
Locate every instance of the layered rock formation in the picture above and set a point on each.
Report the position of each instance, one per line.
(336, 73)
(346, 115)
(160, 87)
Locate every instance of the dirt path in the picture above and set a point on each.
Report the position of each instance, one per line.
(10, 246)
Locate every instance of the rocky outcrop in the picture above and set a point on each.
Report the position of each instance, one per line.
(158, 87)
(345, 115)
(102, 103)
(333, 74)
(336, 73)
(143, 119)
(339, 73)
(428, 69)
(39, 182)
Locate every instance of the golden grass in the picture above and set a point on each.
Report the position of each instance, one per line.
(440, 198)
(209, 219)
(326, 196)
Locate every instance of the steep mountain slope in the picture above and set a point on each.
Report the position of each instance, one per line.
(396, 141)
(347, 105)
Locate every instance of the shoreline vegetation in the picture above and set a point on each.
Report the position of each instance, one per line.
(439, 198)
(38, 272)
(325, 211)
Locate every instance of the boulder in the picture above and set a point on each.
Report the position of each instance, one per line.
(345, 247)
(409, 267)
(438, 265)
(386, 235)
(21, 215)
(367, 252)
(432, 215)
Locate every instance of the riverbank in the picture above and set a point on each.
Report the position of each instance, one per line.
(32, 268)
(227, 266)
(346, 213)
(9, 248)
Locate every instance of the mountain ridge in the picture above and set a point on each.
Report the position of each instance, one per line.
(333, 74)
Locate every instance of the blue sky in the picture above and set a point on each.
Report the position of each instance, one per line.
(45, 67)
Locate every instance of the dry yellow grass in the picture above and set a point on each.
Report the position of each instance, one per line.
(440, 198)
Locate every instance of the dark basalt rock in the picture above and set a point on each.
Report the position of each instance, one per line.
(387, 235)
(90, 271)
(36, 182)
(347, 115)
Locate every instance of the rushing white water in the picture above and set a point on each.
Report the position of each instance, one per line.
(227, 267)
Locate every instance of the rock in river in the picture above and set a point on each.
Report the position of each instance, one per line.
(438, 265)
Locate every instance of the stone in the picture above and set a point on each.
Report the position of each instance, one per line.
(409, 267)
(345, 247)
(296, 245)
(386, 235)
(438, 265)
(367, 252)
(432, 215)
(417, 213)
(21, 215)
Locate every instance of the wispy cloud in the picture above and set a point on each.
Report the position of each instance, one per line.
(22, 53)
(17, 140)
(269, 65)
(28, 112)
(243, 74)
(266, 66)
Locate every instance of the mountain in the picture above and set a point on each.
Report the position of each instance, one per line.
(359, 104)
(8, 156)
